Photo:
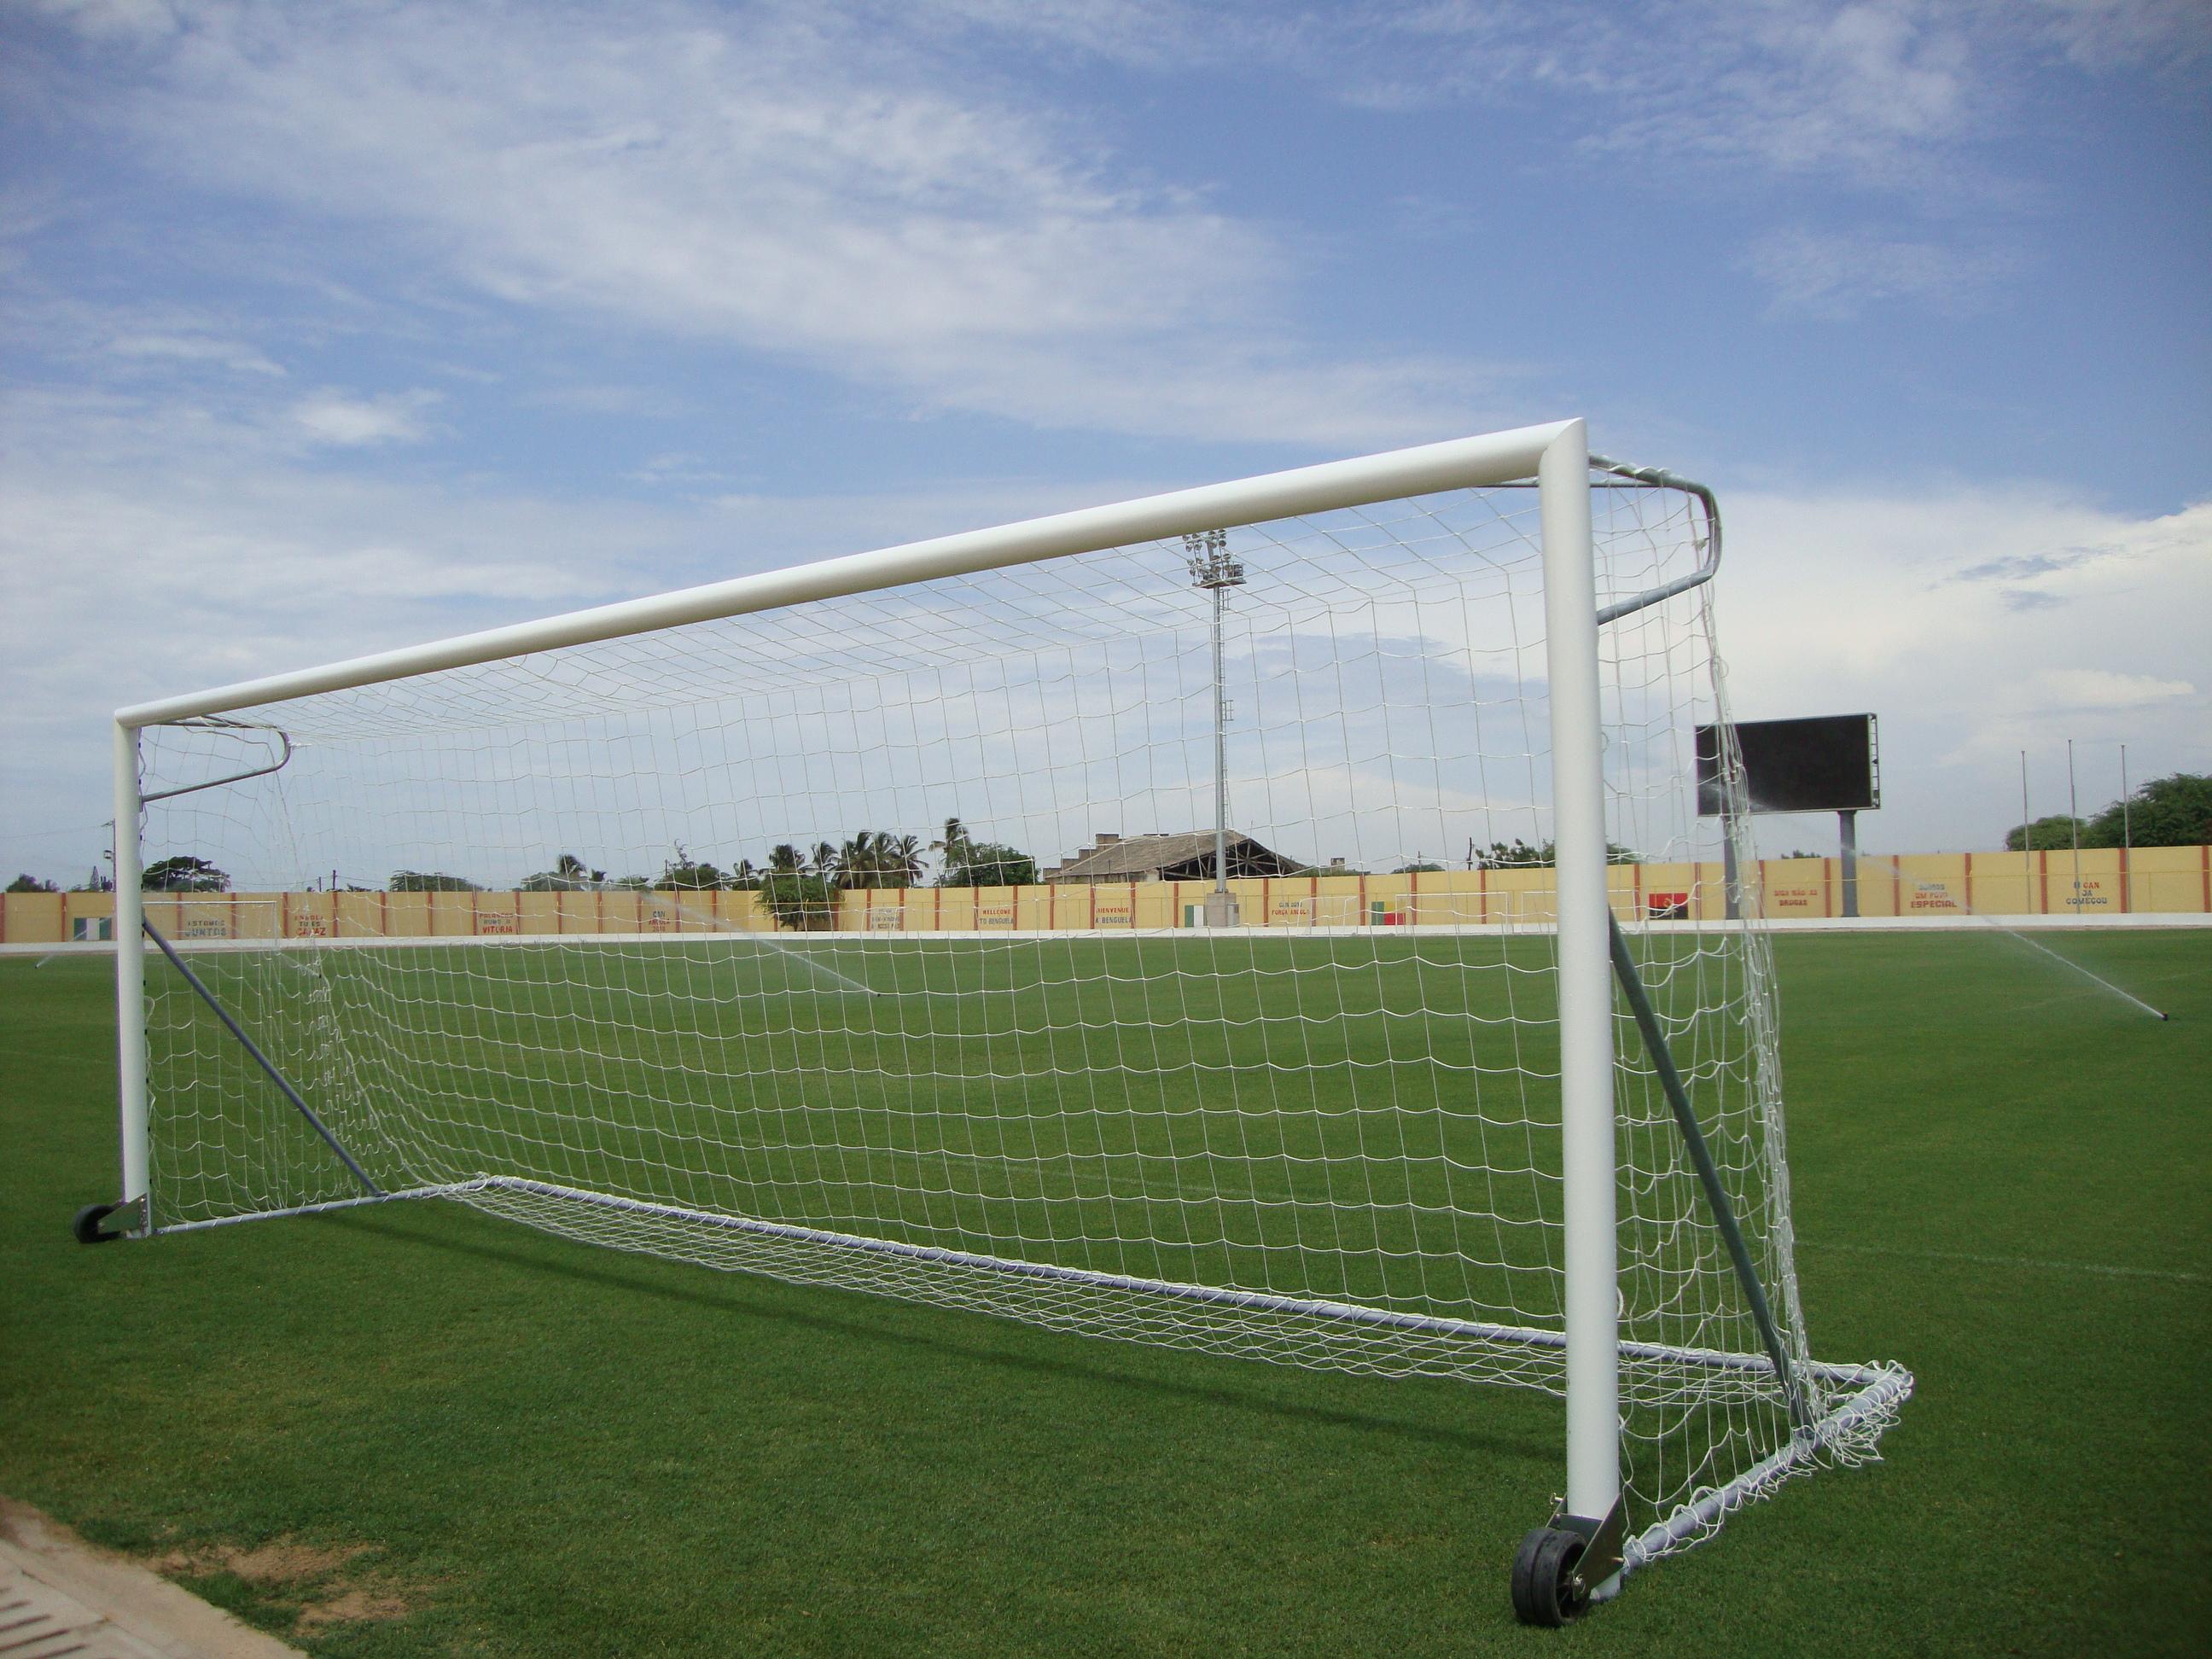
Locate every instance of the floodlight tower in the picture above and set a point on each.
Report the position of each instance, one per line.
(1212, 568)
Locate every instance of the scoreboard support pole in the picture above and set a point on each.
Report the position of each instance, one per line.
(1735, 911)
(1847, 825)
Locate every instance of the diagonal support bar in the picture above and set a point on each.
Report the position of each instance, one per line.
(1717, 1198)
(260, 1059)
(213, 723)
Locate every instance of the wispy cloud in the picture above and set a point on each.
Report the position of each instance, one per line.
(233, 355)
(332, 418)
(2066, 689)
(150, 547)
(1872, 90)
(1978, 623)
(2170, 35)
(1898, 100)
(781, 180)
(1833, 276)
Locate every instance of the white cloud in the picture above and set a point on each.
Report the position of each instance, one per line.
(1876, 91)
(1835, 275)
(151, 548)
(2066, 689)
(2109, 34)
(783, 180)
(1977, 622)
(217, 558)
(331, 417)
(130, 19)
(232, 354)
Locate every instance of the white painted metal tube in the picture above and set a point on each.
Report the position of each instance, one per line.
(1585, 979)
(1881, 1390)
(130, 977)
(323, 1208)
(1461, 463)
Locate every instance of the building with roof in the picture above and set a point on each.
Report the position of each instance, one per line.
(1183, 855)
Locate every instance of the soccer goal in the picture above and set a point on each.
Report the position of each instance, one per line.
(1272, 918)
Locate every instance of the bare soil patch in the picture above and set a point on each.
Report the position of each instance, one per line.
(326, 1582)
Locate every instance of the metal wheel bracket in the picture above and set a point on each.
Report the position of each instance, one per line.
(1600, 1559)
(87, 1225)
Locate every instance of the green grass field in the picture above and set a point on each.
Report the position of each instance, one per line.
(503, 1442)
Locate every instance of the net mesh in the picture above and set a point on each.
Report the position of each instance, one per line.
(867, 944)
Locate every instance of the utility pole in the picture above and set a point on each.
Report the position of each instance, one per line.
(1207, 554)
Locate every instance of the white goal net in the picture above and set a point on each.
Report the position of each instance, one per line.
(899, 942)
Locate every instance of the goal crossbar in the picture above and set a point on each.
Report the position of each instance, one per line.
(1454, 464)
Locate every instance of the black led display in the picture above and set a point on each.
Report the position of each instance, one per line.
(1827, 764)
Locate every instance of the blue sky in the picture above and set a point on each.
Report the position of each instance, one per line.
(337, 327)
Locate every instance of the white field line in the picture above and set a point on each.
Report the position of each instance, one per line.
(2035, 1264)
(865, 940)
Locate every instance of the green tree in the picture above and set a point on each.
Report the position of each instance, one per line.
(569, 874)
(184, 874)
(954, 847)
(2170, 811)
(988, 864)
(1518, 854)
(684, 873)
(32, 885)
(2048, 834)
(418, 881)
(877, 858)
(852, 864)
(907, 850)
(800, 900)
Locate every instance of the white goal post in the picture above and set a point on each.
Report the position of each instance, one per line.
(1497, 1115)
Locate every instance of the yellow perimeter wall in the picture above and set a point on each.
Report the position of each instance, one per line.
(2169, 879)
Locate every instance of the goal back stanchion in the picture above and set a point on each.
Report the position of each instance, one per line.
(534, 919)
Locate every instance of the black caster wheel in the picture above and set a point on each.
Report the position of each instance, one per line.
(87, 1225)
(1547, 1587)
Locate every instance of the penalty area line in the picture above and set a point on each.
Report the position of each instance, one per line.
(2170, 1275)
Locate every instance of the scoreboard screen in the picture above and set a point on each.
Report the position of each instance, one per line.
(1830, 763)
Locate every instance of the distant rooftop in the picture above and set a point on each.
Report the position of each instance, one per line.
(1183, 855)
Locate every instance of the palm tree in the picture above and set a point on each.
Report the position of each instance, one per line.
(856, 860)
(906, 858)
(825, 861)
(955, 846)
(569, 868)
(785, 860)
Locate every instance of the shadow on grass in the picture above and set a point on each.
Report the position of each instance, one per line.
(602, 1267)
